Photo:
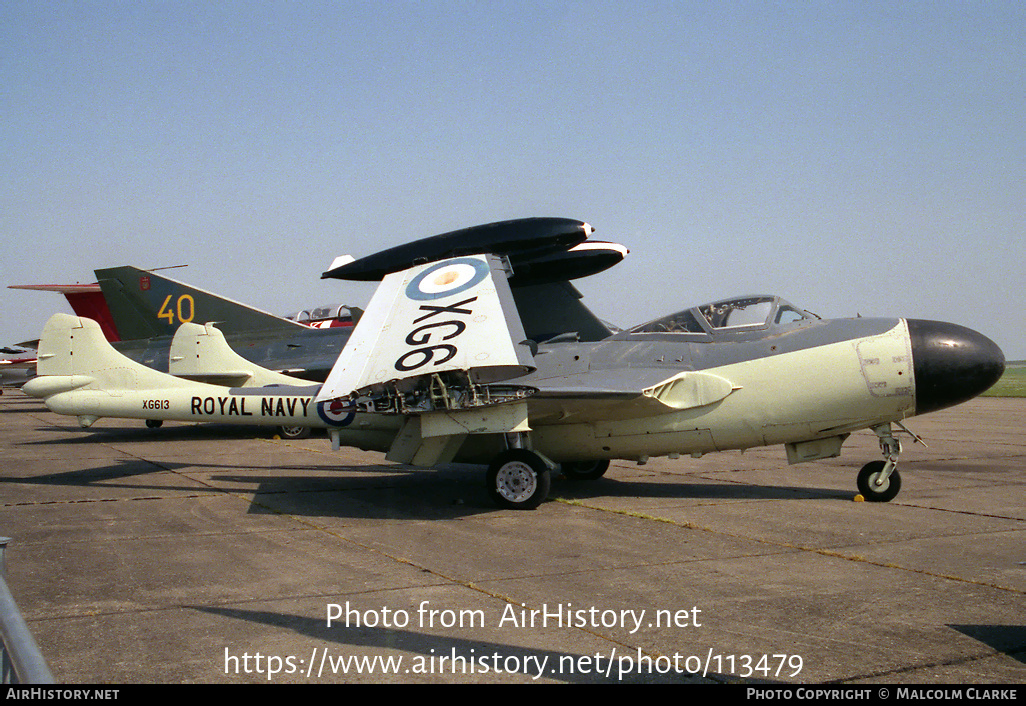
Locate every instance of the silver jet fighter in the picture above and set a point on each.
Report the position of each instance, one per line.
(440, 369)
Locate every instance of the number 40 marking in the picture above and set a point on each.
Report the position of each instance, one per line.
(167, 313)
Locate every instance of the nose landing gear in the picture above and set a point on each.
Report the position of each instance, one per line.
(879, 481)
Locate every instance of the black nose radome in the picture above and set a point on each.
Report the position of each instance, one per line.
(952, 363)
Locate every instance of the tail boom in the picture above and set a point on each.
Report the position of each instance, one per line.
(81, 375)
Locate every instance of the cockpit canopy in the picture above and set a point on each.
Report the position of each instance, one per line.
(739, 313)
(330, 312)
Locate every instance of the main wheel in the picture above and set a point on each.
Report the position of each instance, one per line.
(877, 493)
(584, 470)
(294, 432)
(518, 479)
(154, 423)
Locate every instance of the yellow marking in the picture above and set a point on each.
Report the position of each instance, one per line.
(169, 315)
(192, 309)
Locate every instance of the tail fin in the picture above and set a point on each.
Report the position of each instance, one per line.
(73, 353)
(200, 353)
(145, 304)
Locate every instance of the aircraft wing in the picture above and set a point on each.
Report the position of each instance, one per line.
(545, 254)
(453, 317)
(438, 344)
(608, 395)
(17, 371)
(23, 363)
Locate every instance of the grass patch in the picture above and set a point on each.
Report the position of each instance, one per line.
(1012, 383)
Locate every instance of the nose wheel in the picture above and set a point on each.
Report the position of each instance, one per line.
(876, 486)
(879, 481)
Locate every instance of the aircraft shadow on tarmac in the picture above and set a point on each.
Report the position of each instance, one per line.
(510, 658)
(22, 409)
(459, 491)
(380, 490)
(1006, 639)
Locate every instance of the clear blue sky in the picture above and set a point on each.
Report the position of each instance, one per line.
(862, 157)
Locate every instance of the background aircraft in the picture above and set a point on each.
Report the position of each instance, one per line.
(16, 367)
(441, 367)
(140, 310)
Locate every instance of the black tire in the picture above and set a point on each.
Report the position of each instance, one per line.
(154, 423)
(873, 493)
(518, 479)
(584, 470)
(294, 432)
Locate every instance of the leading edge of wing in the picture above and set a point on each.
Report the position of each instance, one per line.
(600, 395)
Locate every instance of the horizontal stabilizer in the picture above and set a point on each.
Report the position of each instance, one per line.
(86, 300)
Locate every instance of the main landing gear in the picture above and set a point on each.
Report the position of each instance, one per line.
(519, 478)
(294, 432)
(879, 481)
(584, 470)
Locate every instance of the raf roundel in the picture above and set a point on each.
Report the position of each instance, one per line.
(447, 278)
(335, 413)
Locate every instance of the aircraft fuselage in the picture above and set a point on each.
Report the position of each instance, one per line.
(789, 384)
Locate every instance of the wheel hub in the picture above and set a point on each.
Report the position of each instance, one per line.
(516, 481)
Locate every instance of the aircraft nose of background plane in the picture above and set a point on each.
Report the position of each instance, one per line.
(952, 363)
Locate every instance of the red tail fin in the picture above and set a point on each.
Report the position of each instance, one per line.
(85, 300)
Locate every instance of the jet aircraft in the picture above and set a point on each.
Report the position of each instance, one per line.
(140, 310)
(17, 370)
(447, 365)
